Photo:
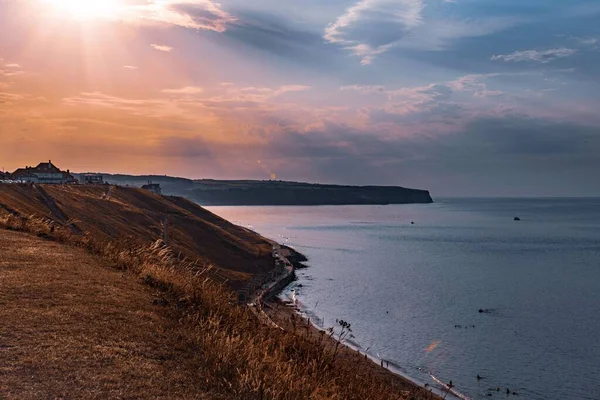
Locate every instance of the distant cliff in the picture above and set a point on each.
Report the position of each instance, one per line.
(290, 193)
(210, 192)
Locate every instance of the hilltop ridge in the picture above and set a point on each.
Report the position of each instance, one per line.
(131, 214)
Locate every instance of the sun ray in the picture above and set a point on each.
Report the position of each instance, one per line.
(87, 9)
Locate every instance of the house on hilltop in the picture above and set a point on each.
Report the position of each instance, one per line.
(93, 179)
(4, 176)
(153, 187)
(25, 175)
(46, 173)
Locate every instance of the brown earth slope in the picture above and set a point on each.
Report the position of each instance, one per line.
(71, 328)
(136, 215)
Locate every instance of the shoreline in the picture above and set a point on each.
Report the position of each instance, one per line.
(391, 366)
(279, 312)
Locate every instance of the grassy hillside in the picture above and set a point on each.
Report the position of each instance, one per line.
(136, 216)
(63, 301)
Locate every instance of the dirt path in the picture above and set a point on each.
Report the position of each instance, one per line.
(71, 328)
(56, 211)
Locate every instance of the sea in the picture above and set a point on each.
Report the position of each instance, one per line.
(456, 289)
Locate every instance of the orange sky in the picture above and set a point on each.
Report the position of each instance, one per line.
(100, 94)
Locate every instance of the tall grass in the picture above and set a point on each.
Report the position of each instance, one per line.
(243, 357)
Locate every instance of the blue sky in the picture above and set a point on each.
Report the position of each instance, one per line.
(462, 97)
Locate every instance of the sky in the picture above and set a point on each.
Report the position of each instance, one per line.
(460, 97)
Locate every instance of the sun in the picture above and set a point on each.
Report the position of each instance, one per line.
(87, 9)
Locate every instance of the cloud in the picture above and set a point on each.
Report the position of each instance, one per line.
(188, 90)
(443, 106)
(290, 88)
(146, 107)
(366, 89)
(589, 41)
(279, 35)
(10, 73)
(130, 67)
(244, 106)
(10, 69)
(488, 155)
(193, 14)
(372, 27)
(254, 95)
(10, 98)
(543, 56)
(182, 147)
(416, 96)
(476, 84)
(162, 47)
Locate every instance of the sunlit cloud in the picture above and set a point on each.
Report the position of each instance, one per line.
(416, 96)
(161, 47)
(185, 90)
(193, 14)
(10, 69)
(354, 30)
(147, 107)
(256, 94)
(540, 56)
(131, 67)
(371, 28)
(85, 10)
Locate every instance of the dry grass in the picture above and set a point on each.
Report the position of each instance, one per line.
(136, 216)
(240, 356)
(72, 328)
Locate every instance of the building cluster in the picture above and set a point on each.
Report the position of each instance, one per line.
(45, 172)
(48, 173)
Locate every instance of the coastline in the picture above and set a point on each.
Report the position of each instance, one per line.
(290, 316)
(390, 366)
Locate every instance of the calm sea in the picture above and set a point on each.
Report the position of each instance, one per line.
(413, 292)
